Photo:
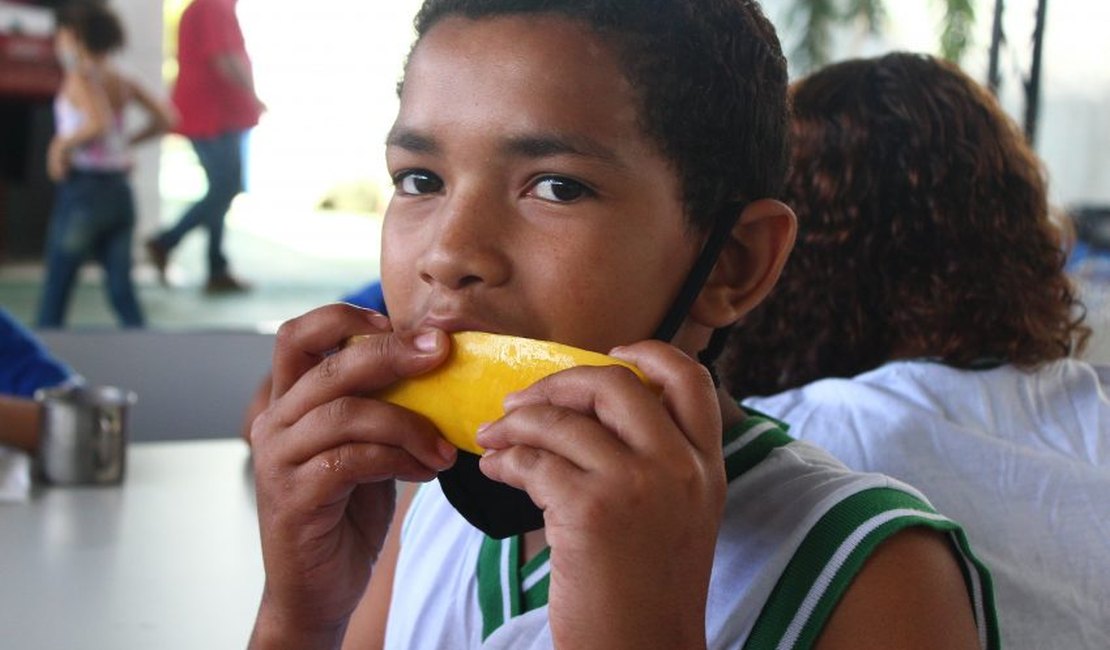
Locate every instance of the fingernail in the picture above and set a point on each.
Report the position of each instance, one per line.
(378, 320)
(426, 341)
(478, 437)
(446, 451)
(620, 352)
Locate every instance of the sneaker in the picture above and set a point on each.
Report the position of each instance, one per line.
(159, 257)
(225, 283)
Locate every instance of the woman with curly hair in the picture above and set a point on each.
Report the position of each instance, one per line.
(924, 328)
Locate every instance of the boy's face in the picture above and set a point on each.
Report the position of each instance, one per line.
(527, 199)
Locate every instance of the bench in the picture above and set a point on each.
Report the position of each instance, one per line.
(190, 384)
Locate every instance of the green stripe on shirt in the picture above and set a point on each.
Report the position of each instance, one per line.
(498, 597)
(833, 552)
(749, 441)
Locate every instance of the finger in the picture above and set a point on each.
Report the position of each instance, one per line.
(370, 364)
(688, 391)
(303, 341)
(615, 397)
(546, 477)
(357, 420)
(329, 477)
(564, 432)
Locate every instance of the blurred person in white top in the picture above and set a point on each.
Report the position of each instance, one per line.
(924, 328)
(90, 159)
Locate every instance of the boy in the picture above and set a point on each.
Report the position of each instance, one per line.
(567, 171)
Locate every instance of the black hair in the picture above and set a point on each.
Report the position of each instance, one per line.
(94, 24)
(711, 80)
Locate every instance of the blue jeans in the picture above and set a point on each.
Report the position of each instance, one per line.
(93, 218)
(222, 160)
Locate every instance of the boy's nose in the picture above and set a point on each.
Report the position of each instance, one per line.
(465, 247)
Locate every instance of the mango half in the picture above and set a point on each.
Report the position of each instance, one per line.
(468, 389)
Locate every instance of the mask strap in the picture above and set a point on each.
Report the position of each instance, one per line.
(692, 286)
(695, 280)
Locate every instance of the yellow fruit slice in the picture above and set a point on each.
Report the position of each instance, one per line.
(469, 388)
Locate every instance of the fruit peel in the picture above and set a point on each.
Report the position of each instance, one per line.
(469, 388)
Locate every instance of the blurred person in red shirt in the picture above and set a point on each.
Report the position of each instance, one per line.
(217, 105)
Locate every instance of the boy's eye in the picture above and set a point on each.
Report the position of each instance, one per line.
(417, 182)
(559, 189)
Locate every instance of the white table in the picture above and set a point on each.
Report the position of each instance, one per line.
(170, 559)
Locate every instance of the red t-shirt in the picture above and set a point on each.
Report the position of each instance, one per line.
(208, 103)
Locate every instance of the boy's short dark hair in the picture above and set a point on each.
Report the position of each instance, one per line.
(712, 83)
(94, 24)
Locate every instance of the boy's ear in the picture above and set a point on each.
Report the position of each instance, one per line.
(749, 264)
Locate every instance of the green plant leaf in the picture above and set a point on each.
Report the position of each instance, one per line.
(871, 13)
(955, 37)
(816, 18)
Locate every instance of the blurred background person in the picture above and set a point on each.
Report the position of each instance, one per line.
(924, 328)
(217, 105)
(90, 158)
(25, 366)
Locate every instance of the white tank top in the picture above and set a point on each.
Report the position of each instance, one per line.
(1021, 457)
(797, 526)
(108, 153)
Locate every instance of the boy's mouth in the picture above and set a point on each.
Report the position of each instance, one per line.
(452, 324)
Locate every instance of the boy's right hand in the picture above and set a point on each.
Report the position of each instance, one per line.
(325, 461)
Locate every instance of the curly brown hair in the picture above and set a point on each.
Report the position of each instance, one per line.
(924, 231)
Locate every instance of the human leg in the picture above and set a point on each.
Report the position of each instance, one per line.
(67, 245)
(114, 254)
(221, 159)
(231, 156)
(227, 155)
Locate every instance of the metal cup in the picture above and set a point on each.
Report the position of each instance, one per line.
(84, 434)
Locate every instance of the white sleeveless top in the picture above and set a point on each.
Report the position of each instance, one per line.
(797, 526)
(1022, 458)
(108, 153)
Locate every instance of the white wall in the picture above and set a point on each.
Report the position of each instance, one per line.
(1073, 137)
(331, 95)
(1074, 134)
(142, 58)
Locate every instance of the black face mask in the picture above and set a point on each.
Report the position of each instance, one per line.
(500, 510)
(497, 509)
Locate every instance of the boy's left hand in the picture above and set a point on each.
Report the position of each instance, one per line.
(632, 486)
